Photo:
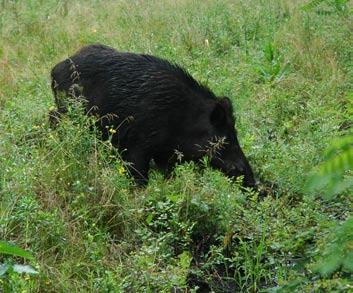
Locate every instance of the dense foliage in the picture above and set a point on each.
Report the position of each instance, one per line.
(65, 195)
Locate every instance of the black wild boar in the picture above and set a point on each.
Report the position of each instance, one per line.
(158, 110)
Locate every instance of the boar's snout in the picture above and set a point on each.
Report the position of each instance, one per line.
(246, 172)
(233, 164)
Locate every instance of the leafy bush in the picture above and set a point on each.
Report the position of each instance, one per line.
(335, 176)
(338, 5)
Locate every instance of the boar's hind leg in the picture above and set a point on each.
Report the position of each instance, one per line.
(138, 166)
(54, 117)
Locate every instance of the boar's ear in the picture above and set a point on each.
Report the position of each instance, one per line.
(227, 105)
(220, 111)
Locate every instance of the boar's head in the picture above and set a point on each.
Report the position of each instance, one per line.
(213, 133)
(225, 151)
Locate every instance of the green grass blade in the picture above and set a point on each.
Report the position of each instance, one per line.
(6, 248)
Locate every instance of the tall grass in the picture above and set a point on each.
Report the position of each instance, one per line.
(64, 193)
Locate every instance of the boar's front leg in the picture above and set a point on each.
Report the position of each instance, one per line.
(137, 165)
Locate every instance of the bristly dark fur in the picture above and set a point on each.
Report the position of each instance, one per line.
(181, 73)
(157, 107)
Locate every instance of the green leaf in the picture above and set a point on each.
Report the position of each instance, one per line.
(341, 144)
(348, 261)
(173, 197)
(289, 287)
(269, 52)
(339, 252)
(339, 5)
(329, 178)
(312, 4)
(149, 219)
(7, 248)
(329, 264)
(185, 259)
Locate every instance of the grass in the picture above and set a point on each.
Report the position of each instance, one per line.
(65, 196)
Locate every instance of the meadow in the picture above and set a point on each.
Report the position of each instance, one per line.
(65, 196)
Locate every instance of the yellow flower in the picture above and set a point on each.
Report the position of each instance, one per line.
(51, 108)
(121, 170)
(112, 131)
(94, 30)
